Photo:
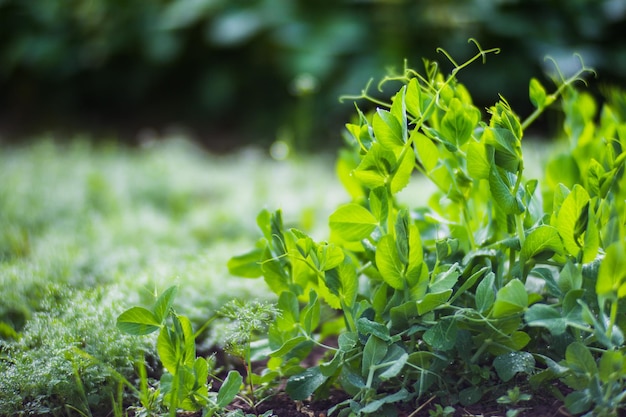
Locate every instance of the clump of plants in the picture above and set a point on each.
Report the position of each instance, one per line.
(70, 360)
(499, 281)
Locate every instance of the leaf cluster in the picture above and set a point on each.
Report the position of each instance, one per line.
(498, 279)
(185, 382)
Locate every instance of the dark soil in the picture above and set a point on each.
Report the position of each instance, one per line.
(283, 406)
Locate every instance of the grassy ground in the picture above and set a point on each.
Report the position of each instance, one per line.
(86, 232)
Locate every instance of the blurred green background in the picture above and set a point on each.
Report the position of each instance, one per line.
(232, 72)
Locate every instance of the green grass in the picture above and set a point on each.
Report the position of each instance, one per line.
(87, 231)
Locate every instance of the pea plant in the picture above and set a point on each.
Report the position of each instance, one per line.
(185, 383)
(497, 281)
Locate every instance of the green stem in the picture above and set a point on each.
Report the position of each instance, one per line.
(480, 351)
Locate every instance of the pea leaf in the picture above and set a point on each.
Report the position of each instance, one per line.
(373, 353)
(379, 204)
(342, 284)
(388, 130)
(542, 243)
(485, 293)
(458, 122)
(572, 213)
(375, 169)
(511, 299)
(229, 389)
(401, 175)
(352, 222)
(542, 315)
(246, 265)
(537, 93)
(432, 300)
(138, 321)
(479, 160)
(499, 184)
(442, 336)
(512, 363)
(388, 262)
(611, 281)
(580, 359)
(427, 152)
(301, 386)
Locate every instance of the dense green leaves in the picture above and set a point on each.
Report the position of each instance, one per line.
(493, 273)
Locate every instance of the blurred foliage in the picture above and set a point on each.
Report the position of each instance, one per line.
(268, 68)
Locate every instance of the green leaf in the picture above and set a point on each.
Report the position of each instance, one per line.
(163, 304)
(611, 281)
(537, 93)
(542, 243)
(580, 360)
(388, 262)
(387, 129)
(288, 346)
(458, 122)
(348, 341)
(402, 236)
(376, 168)
(427, 152)
(310, 315)
(444, 280)
(342, 283)
(432, 300)
(379, 204)
(542, 315)
(398, 110)
(373, 353)
(568, 217)
(138, 321)
(366, 326)
(352, 222)
(578, 402)
(402, 172)
(612, 366)
(511, 299)
(398, 358)
(512, 363)
(402, 315)
(394, 398)
(485, 293)
(442, 336)
(499, 184)
(479, 160)
(507, 153)
(303, 385)
(570, 278)
(246, 265)
(168, 349)
(229, 389)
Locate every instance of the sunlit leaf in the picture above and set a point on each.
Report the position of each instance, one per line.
(611, 281)
(352, 222)
(138, 321)
(458, 122)
(388, 262)
(537, 93)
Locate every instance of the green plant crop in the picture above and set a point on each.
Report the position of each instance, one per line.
(497, 279)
